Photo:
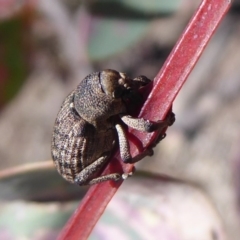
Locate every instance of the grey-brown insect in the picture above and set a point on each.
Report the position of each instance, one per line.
(91, 121)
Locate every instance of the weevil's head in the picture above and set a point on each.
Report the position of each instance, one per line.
(119, 85)
(102, 95)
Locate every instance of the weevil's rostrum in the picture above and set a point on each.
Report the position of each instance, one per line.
(91, 121)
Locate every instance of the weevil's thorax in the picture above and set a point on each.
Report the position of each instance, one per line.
(93, 104)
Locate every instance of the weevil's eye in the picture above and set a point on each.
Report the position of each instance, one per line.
(118, 92)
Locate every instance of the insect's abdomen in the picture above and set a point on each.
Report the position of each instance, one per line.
(76, 143)
(67, 142)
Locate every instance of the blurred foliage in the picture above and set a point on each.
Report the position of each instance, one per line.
(19, 220)
(21, 183)
(13, 61)
(118, 35)
(116, 25)
(152, 6)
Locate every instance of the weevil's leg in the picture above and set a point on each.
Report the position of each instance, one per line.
(123, 144)
(125, 149)
(142, 80)
(141, 125)
(112, 176)
(146, 125)
(85, 176)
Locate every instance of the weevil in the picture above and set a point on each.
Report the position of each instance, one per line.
(92, 119)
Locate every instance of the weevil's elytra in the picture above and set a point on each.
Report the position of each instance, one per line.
(90, 122)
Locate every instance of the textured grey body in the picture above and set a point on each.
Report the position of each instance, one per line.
(91, 121)
(76, 143)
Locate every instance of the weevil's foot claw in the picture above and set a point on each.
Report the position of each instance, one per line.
(161, 137)
(126, 175)
(149, 152)
(171, 119)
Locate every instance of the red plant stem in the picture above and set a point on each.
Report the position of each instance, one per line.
(166, 85)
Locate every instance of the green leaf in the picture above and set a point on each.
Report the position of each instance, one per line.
(26, 220)
(109, 37)
(12, 57)
(153, 6)
(117, 25)
(37, 181)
